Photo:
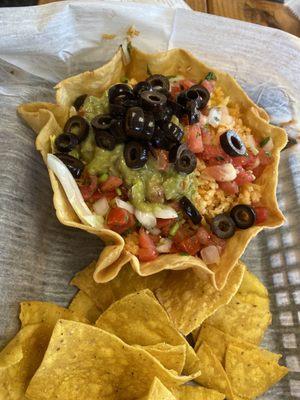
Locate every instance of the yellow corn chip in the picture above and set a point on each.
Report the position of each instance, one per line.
(219, 341)
(171, 357)
(213, 375)
(83, 305)
(35, 312)
(158, 392)
(190, 299)
(84, 362)
(251, 373)
(246, 317)
(252, 284)
(139, 319)
(197, 393)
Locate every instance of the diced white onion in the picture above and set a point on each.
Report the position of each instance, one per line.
(124, 204)
(72, 192)
(252, 144)
(214, 117)
(269, 145)
(101, 206)
(164, 245)
(210, 255)
(147, 219)
(165, 213)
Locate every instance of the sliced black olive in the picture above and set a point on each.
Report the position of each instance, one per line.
(177, 108)
(141, 87)
(117, 130)
(119, 90)
(101, 122)
(164, 115)
(173, 132)
(78, 103)
(181, 98)
(190, 210)
(173, 152)
(159, 139)
(159, 82)
(149, 126)
(78, 126)
(243, 216)
(223, 226)
(105, 140)
(135, 154)
(153, 101)
(232, 144)
(119, 108)
(135, 121)
(185, 160)
(203, 95)
(66, 142)
(192, 112)
(74, 165)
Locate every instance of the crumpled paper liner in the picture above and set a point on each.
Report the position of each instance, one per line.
(48, 119)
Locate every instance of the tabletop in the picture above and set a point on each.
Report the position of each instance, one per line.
(263, 12)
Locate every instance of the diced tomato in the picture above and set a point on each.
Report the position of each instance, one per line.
(206, 136)
(202, 120)
(229, 187)
(119, 219)
(182, 233)
(203, 236)
(262, 214)
(221, 243)
(194, 138)
(190, 245)
(96, 196)
(147, 249)
(175, 89)
(164, 225)
(184, 120)
(155, 238)
(264, 160)
(111, 183)
(111, 195)
(240, 161)
(88, 190)
(186, 84)
(162, 161)
(215, 152)
(247, 162)
(209, 85)
(244, 177)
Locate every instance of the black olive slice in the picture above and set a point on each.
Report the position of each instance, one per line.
(101, 122)
(135, 154)
(185, 160)
(119, 90)
(66, 142)
(134, 121)
(117, 130)
(173, 131)
(78, 103)
(193, 112)
(177, 108)
(243, 216)
(190, 210)
(223, 226)
(159, 82)
(159, 139)
(164, 115)
(74, 165)
(105, 140)
(153, 101)
(141, 87)
(232, 144)
(78, 126)
(203, 95)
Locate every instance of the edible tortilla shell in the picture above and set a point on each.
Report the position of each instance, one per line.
(47, 119)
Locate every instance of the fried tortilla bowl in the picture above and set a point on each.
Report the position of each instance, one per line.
(48, 119)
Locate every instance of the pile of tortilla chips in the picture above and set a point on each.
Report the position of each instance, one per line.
(125, 340)
(48, 119)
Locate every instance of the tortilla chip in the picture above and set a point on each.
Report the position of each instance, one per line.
(43, 118)
(85, 362)
(35, 312)
(83, 305)
(139, 319)
(252, 284)
(190, 299)
(171, 357)
(219, 341)
(246, 317)
(158, 392)
(197, 393)
(128, 281)
(213, 375)
(251, 373)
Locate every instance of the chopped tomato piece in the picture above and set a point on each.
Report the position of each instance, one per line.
(215, 152)
(182, 233)
(162, 161)
(147, 254)
(194, 138)
(96, 196)
(164, 225)
(119, 219)
(88, 190)
(175, 89)
(244, 177)
(203, 236)
(240, 161)
(190, 245)
(262, 214)
(147, 249)
(155, 238)
(221, 243)
(229, 187)
(209, 85)
(206, 136)
(264, 160)
(186, 84)
(111, 183)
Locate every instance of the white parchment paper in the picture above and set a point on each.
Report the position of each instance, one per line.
(40, 46)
